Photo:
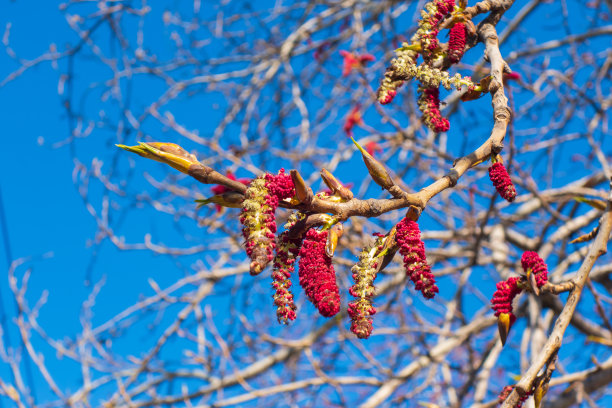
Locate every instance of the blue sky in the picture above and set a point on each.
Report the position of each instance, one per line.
(45, 215)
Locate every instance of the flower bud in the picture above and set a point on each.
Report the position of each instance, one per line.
(302, 191)
(174, 149)
(335, 186)
(541, 388)
(377, 171)
(586, 237)
(533, 285)
(504, 322)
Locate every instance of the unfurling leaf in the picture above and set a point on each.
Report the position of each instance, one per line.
(168, 153)
(231, 199)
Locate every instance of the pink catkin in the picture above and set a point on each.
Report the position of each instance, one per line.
(317, 275)
(353, 119)
(506, 393)
(280, 185)
(350, 61)
(504, 295)
(531, 260)
(429, 104)
(502, 182)
(286, 252)
(408, 238)
(456, 43)
(373, 148)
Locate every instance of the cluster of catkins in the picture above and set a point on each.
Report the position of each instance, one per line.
(406, 238)
(430, 72)
(502, 302)
(316, 272)
(533, 265)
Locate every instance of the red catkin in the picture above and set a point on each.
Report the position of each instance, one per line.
(506, 393)
(532, 261)
(350, 61)
(408, 238)
(317, 275)
(280, 185)
(354, 118)
(456, 43)
(287, 250)
(504, 295)
(501, 180)
(429, 104)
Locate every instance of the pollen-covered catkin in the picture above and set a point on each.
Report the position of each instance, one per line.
(258, 219)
